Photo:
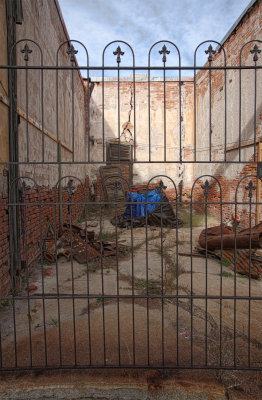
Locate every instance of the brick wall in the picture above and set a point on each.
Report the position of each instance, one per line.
(232, 195)
(40, 210)
(239, 111)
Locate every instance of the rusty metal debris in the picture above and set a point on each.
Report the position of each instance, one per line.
(241, 251)
(223, 236)
(77, 243)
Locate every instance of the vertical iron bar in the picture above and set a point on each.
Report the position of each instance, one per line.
(225, 80)
(133, 279)
(27, 112)
(103, 111)
(42, 112)
(180, 115)
(88, 288)
(13, 188)
(206, 283)
(57, 274)
(134, 100)
(73, 283)
(42, 274)
(118, 111)
(210, 115)
(88, 94)
(255, 112)
(195, 103)
(177, 299)
(1, 357)
(162, 285)
(235, 283)
(60, 185)
(73, 116)
(102, 282)
(240, 116)
(117, 289)
(221, 279)
(164, 72)
(147, 289)
(27, 277)
(191, 278)
(249, 281)
(149, 115)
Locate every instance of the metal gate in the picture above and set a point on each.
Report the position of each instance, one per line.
(130, 213)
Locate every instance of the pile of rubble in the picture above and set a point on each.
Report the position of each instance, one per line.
(77, 243)
(242, 251)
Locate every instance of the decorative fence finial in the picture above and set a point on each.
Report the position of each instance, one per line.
(71, 51)
(116, 187)
(70, 189)
(255, 51)
(26, 51)
(22, 190)
(118, 53)
(206, 187)
(210, 51)
(164, 51)
(250, 188)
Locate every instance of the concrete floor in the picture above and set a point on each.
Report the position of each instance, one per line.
(135, 331)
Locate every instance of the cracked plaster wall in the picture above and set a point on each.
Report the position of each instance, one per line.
(133, 125)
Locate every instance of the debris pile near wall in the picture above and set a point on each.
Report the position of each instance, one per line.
(242, 251)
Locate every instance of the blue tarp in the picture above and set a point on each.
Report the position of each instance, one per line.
(139, 210)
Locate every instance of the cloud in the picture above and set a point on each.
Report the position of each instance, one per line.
(143, 22)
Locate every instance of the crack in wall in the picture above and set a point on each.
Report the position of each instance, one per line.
(127, 135)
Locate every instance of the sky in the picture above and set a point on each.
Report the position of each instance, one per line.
(141, 23)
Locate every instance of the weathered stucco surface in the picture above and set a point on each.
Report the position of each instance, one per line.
(65, 88)
(133, 109)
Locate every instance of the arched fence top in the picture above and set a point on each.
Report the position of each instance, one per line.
(70, 188)
(250, 187)
(72, 51)
(118, 52)
(206, 186)
(116, 185)
(255, 51)
(26, 50)
(210, 51)
(19, 184)
(161, 185)
(164, 51)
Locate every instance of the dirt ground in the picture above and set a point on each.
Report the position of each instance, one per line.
(90, 329)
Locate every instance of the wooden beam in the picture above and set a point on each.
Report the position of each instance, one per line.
(246, 143)
(34, 123)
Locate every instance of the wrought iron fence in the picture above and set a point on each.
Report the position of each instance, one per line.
(154, 262)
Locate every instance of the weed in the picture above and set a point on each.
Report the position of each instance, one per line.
(170, 265)
(125, 250)
(100, 300)
(3, 304)
(54, 321)
(226, 262)
(108, 235)
(142, 286)
(82, 217)
(243, 276)
(226, 274)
